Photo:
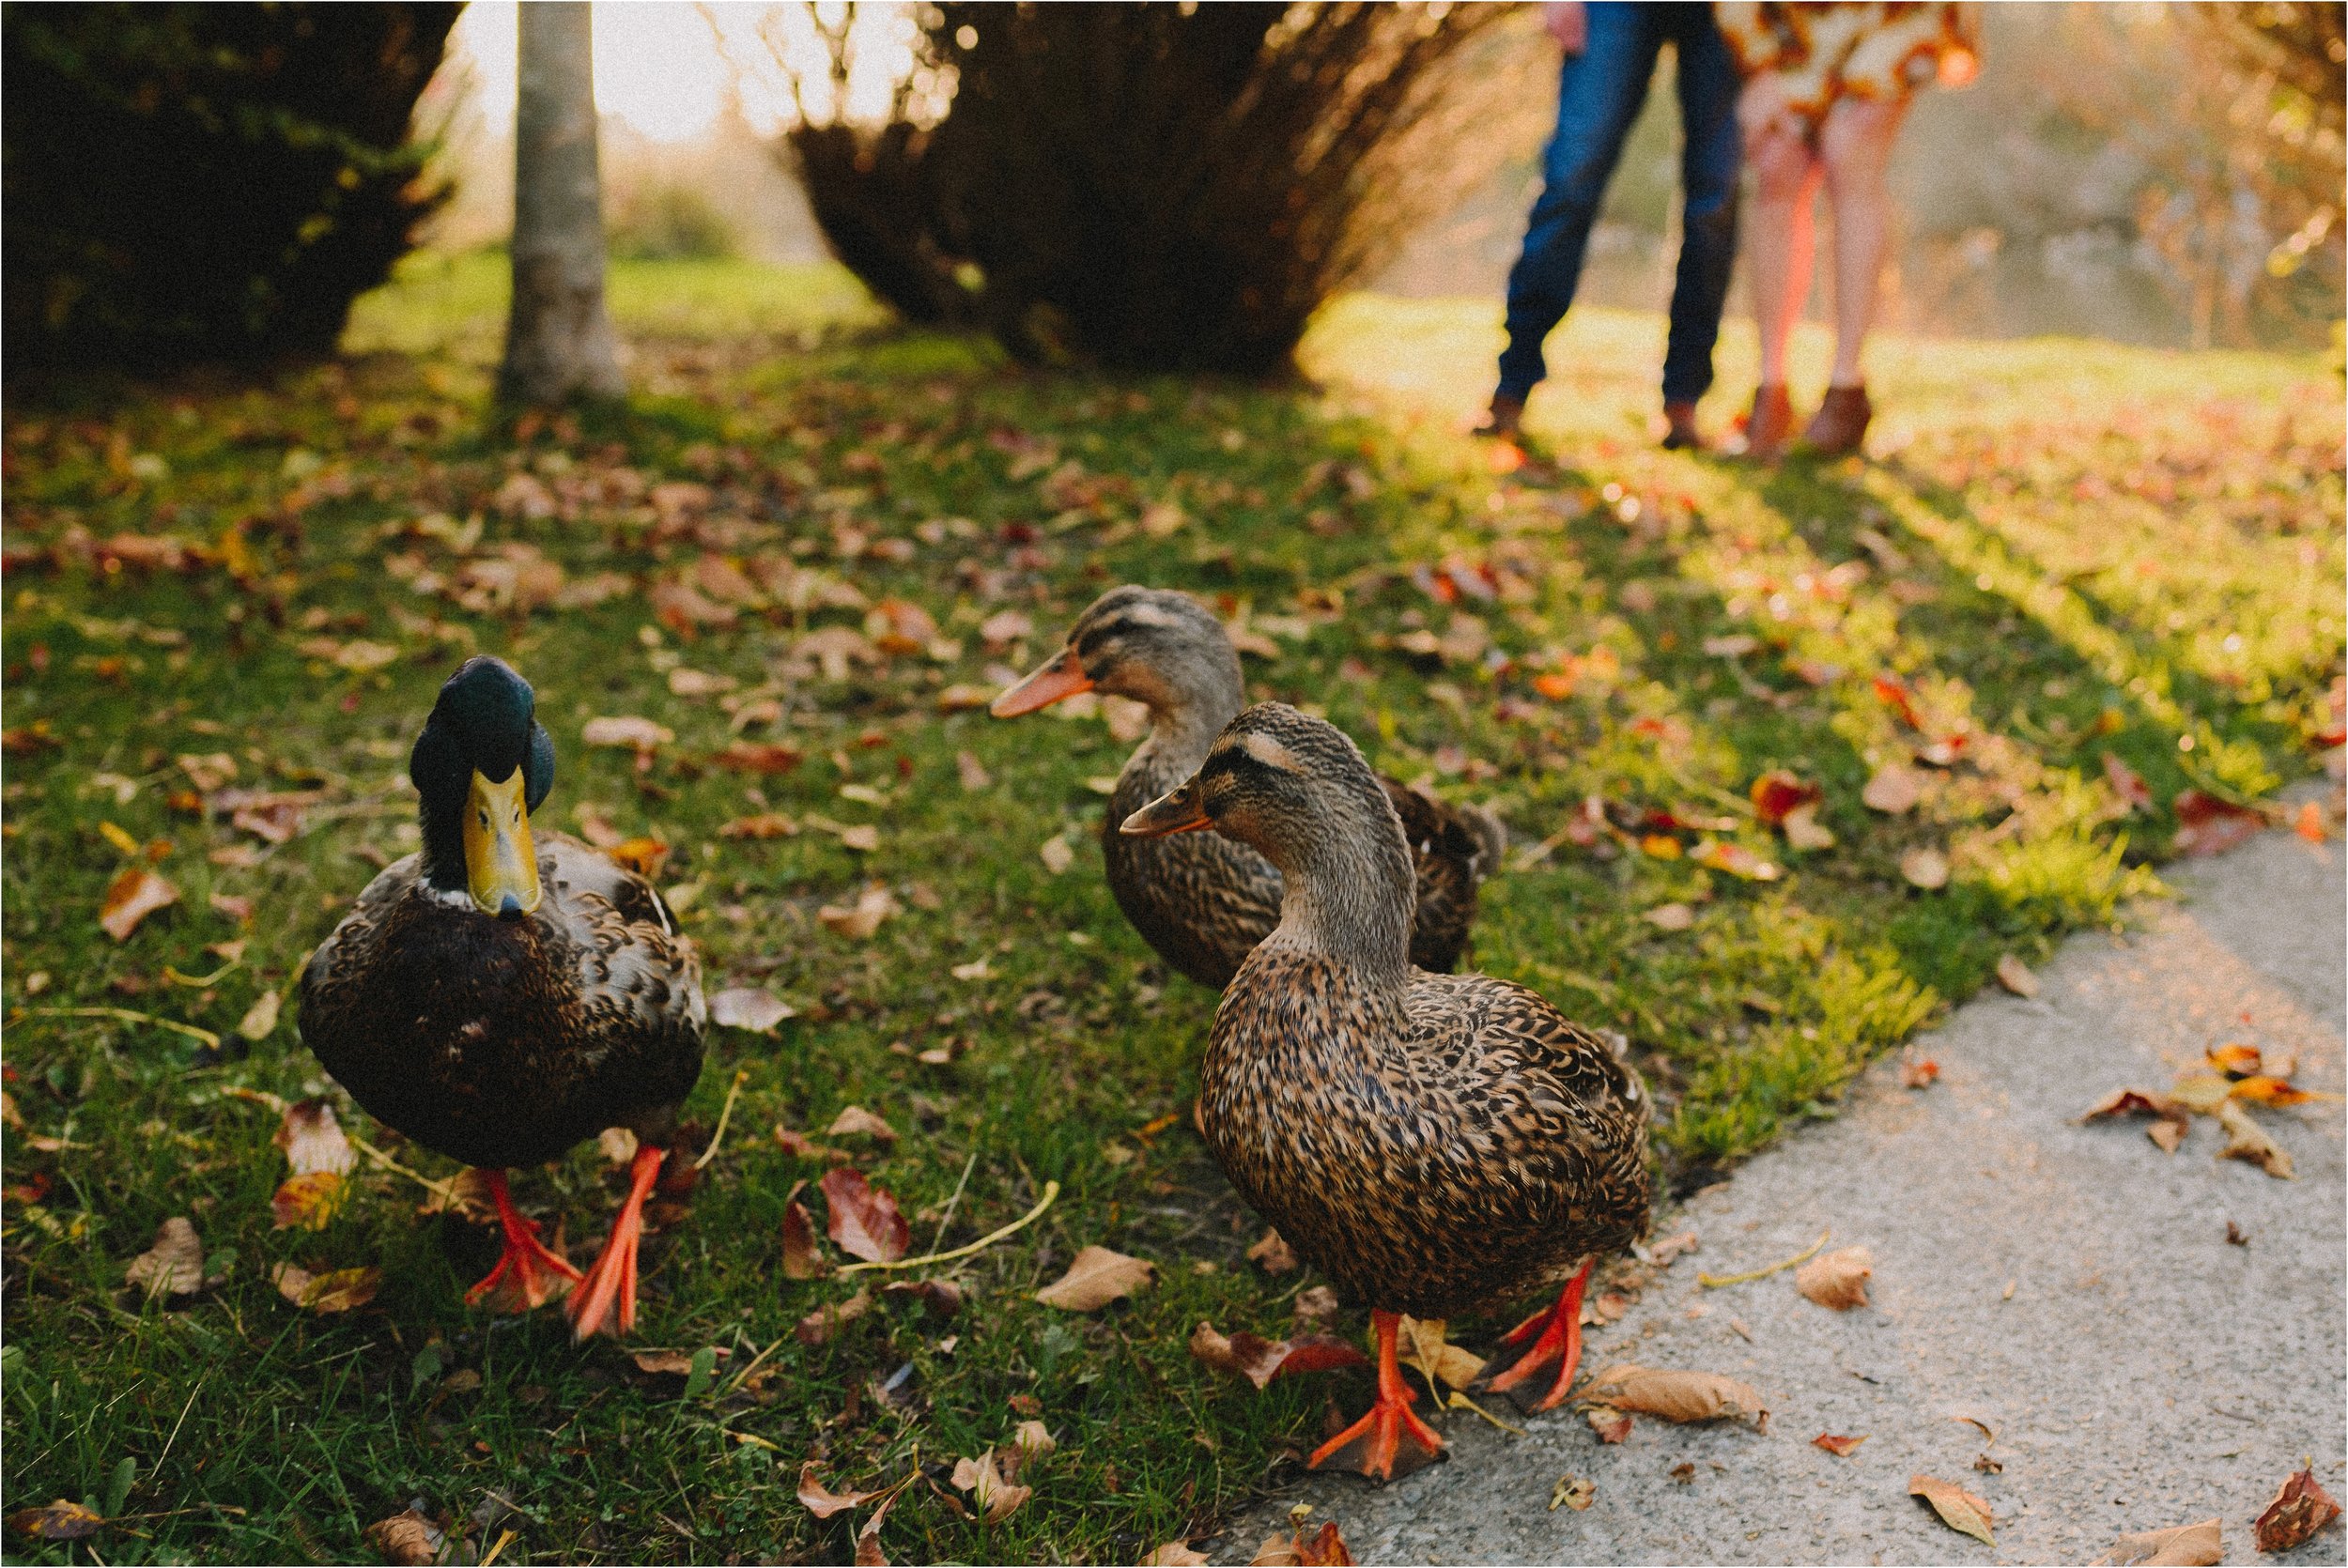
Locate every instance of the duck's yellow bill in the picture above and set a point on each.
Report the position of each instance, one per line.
(1063, 677)
(1178, 811)
(500, 864)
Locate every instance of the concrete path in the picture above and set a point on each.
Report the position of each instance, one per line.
(2071, 1286)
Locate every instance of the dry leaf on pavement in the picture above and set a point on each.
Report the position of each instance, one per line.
(1576, 1492)
(2016, 977)
(1918, 1072)
(1611, 1425)
(752, 1007)
(1272, 1254)
(2246, 1140)
(1325, 1548)
(1837, 1279)
(408, 1538)
(1174, 1554)
(856, 1119)
(174, 1266)
(1960, 1510)
(1260, 1360)
(821, 1501)
(2178, 1547)
(1427, 1350)
(1677, 1396)
(131, 898)
(312, 1139)
(2170, 1120)
(2299, 1509)
(865, 1220)
(1096, 1278)
(1842, 1448)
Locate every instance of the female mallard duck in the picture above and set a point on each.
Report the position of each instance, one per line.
(501, 999)
(1204, 903)
(1432, 1142)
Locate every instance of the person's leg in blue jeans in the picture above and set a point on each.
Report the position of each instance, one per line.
(1600, 94)
(1710, 154)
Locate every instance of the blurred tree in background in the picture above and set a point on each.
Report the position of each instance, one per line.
(189, 182)
(1152, 187)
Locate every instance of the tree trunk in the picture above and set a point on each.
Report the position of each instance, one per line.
(558, 339)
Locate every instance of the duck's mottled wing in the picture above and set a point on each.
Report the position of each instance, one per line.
(347, 953)
(1452, 850)
(638, 976)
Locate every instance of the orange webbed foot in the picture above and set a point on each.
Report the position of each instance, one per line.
(1560, 1338)
(605, 1302)
(1389, 1421)
(524, 1258)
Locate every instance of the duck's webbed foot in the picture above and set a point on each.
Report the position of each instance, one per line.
(1389, 1421)
(605, 1302)
(1559, 1329)
(533, 1266)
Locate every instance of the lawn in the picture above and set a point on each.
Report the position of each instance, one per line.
(2067, 552)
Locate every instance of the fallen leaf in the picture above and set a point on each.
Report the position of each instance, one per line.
(1427, 1349)
(642, 855)
(1684, 1473)
(1174, 1554)
(972, 772)
(997, 1499)
(2208, 826)
(941, 1299)
(1611, 1425)
(2201, 1091)
(1803, 831)
(868, 1546)
(760, 757)
(2178, 1547)
(1671, 917)
(313, 1140)
(1892, 790)
(1315, 1305)
(856, 1119)
(818, 1327)
(340, 1290)
(762, 824)
(1324, 1550)
(1736, 860)
(1576, 1492)
(2236, 1060)
(1056, 855)
(801, 1258)
(800, 1146)
(751, 1008)
(2308, 822)
(2299, 1509)
(2016, 977)
(617, 1145)
(2127, 784)
(174, 1266)
(60, 1521)
(2247, 1140)
(872, 906)
(1918, 1072)
(1033, 1442)
(1842, 1448)
(1837, 1279)
(1927, 868)
(865, 1221)
(640, 734)
(1260, 1360)
(1097, 1277)
(260, 1019)
(308, 1202)
(2260, 1089)
(1272, 1254)
(137, 893)
(821, 1501)
(1677, 1396)
(1960, 1510)
(1777, 794)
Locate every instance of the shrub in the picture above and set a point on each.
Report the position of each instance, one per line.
(1153, 188)
(188, 182)
(665, 220)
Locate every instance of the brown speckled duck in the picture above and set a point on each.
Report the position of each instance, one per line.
(1432, 1143)
(1203, 903)
(501, 999)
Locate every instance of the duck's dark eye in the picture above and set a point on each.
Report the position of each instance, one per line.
(485, 817)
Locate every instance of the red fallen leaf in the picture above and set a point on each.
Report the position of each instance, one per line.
(2208, 826)
(762, 756)
(2299, 1509)
(821, 1501)
(1260, 1360)
(801, 1258)
(2127, 784)
(1777, 793)
(1842, 1448)
(864, 1218)
(1895, 693)
(131, 898)
(2309, 824)
(800, 1146)
(1611, 1425)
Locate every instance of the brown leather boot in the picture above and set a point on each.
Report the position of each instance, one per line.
(1770, 425)
(1839, 424)
(1679, 429)
(1506, 421)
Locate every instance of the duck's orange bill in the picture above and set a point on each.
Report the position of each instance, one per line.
(1180, 810)
(1063, 677)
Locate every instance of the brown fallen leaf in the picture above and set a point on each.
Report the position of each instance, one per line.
(1427, 1349)
(2208, 826)
(752, 1007)
(1611, 1425)
(818, 1327)
(2179, 1546)
(1670, 918)
(799, 1146)
(1260, 1360)
(2170, 1120)
(307, 1202)
(1677, 1396)
(1576, 1492)
(1892, 790)
(1174, 1554)
(2127, 784)
(868, 1546)
(60, 1521)
(2016, 977)
(860, 920)
(1837, 1280)
(2236, 1060)
(640, 734)
(941, 1299)
(997, 1498)
(2246, 1140)
(1325, 1548)
(1272, 1254)
(1918, 1072)
(856, 1119)
(408, 1538)
(821, 1501)
(312, 1139)
(802, 1259)
(261, 1020)
(764, 824)
(2299, 1508)
(1097, 1277)
(1842, 1448)
(338, 1290)
(1684, 1473)
(1960, 1510)
(865, 1220)
(174, 1266)
(1927, 868)
(1315, 1305)
(137, 893)
(1803, 831)
(972, 772)
(759, 757)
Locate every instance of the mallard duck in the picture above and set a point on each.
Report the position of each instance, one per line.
(1203, 903)
(501, 996)
(1432, 1143)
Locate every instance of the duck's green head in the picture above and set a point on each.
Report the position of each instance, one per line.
(483, 764)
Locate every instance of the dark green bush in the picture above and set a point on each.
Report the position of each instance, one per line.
(198, 182)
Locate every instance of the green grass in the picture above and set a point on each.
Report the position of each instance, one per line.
(2106, 550)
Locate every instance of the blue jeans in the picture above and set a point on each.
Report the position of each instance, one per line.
(1599, 94)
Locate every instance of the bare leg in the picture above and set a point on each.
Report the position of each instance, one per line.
(605, 1300)
(1781, 242)
(1390, 1419)
(1855, 148)
(1559, 1327)
(524, 1255)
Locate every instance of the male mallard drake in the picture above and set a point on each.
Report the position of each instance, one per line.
(1432, 1142)
(500, 998)
(1203, 903)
